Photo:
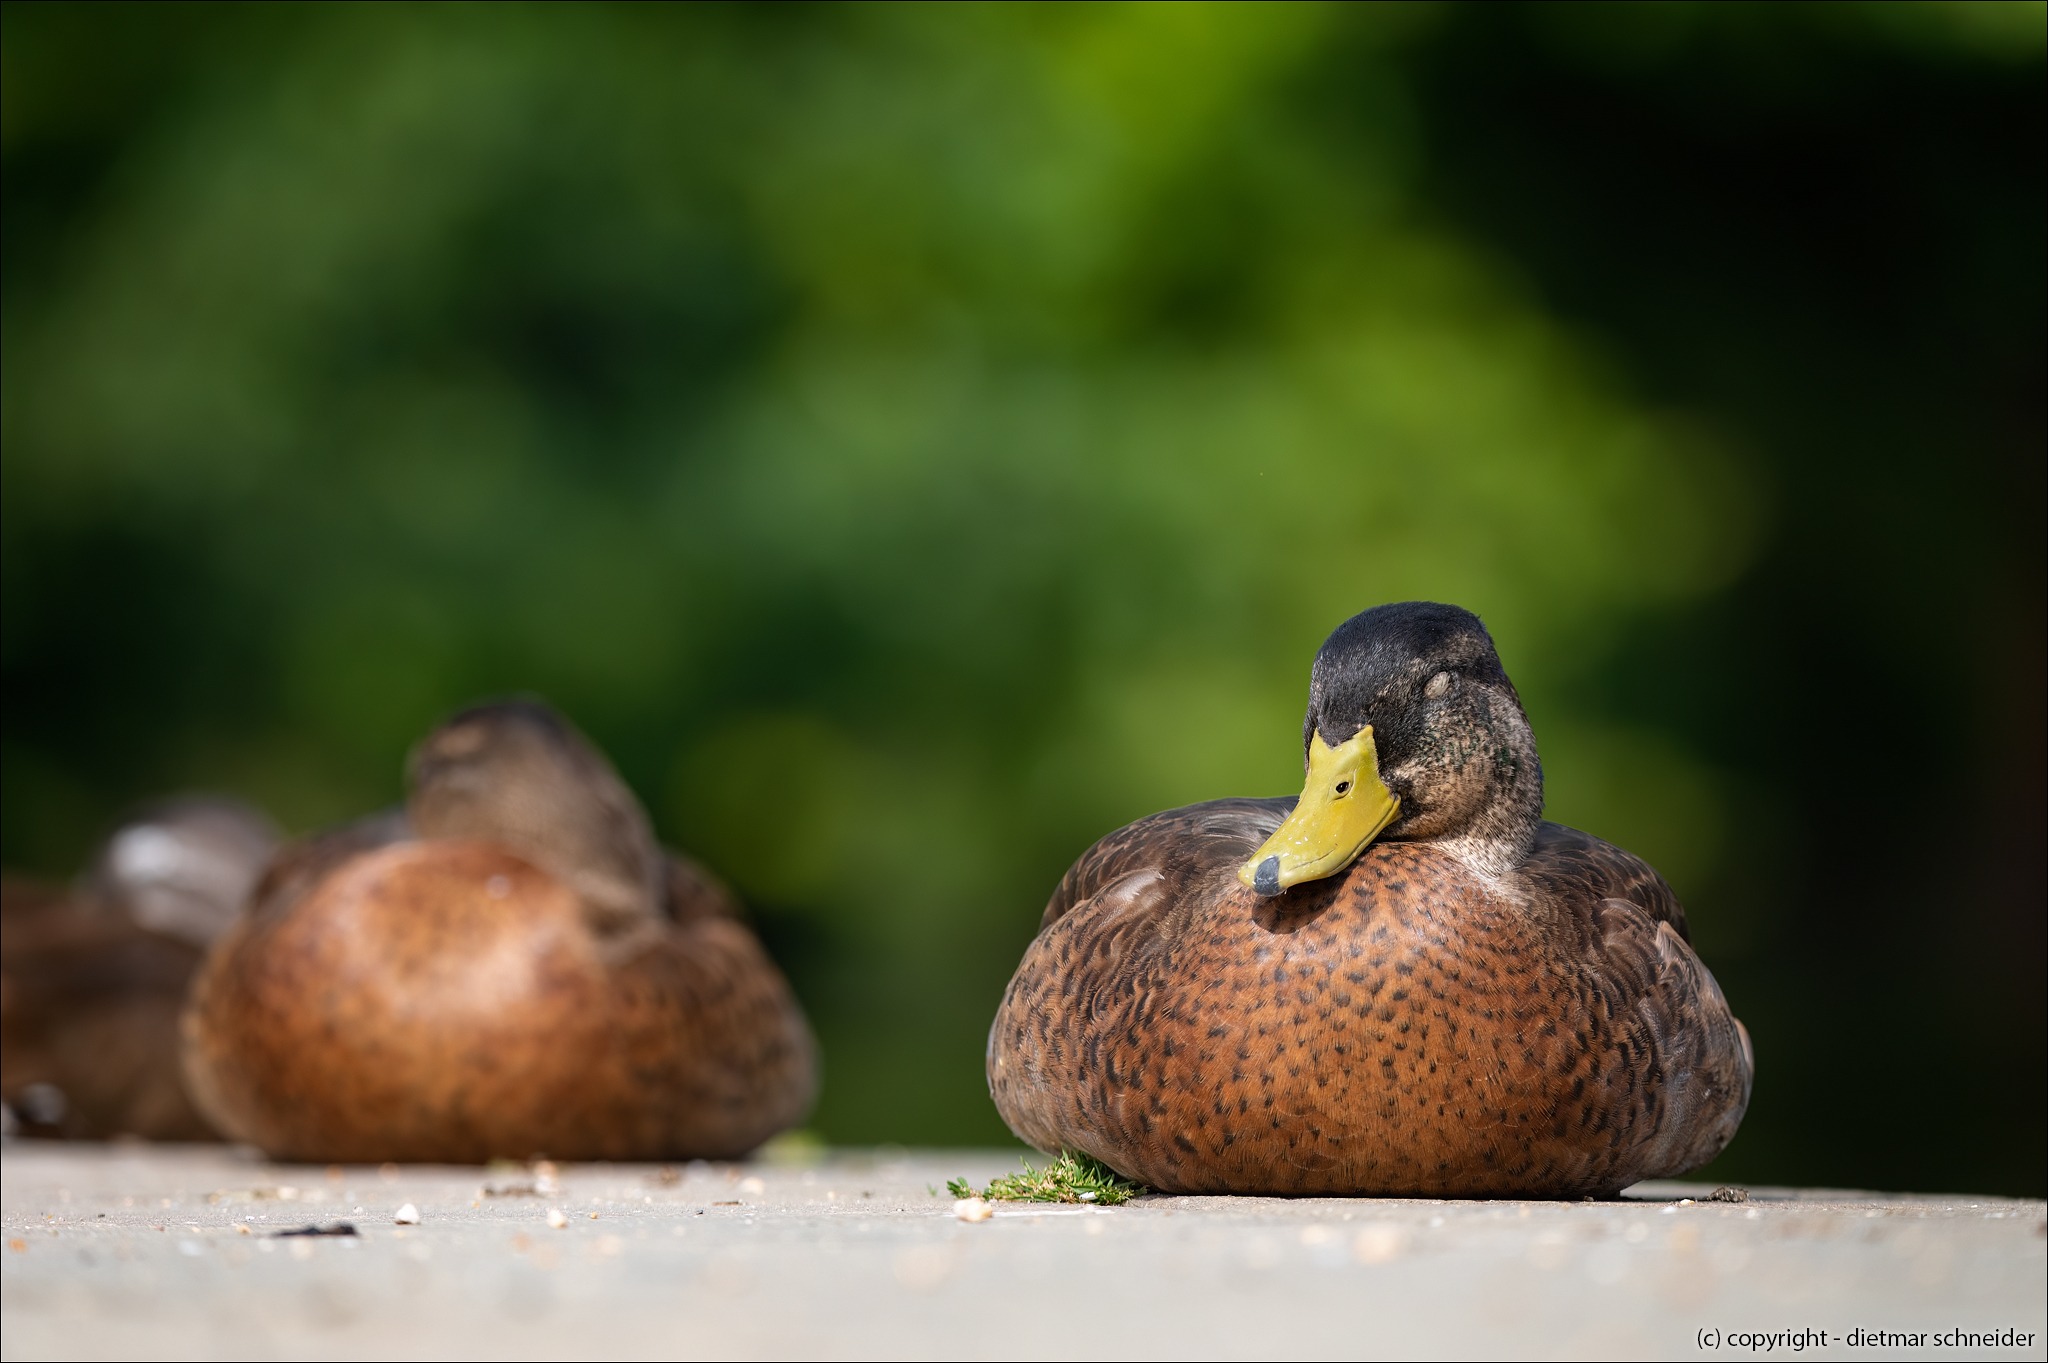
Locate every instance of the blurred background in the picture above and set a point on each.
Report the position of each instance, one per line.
(951, 431)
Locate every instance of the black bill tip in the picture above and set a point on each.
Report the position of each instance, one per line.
(1266, 879)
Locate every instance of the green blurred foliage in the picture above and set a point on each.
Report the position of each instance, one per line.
(914, 441)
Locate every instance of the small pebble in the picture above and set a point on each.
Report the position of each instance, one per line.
(556, 1219)
(408, 1215)
(1380, 1243)
(973, 1209)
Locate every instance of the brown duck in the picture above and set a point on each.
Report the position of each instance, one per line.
(92, 976)
(1404, 982)
(510, 967)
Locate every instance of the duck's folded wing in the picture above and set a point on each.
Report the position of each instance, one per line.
(1570, 867)
(1669, 1005)
(1172, 847)
(297, 866)
(694, 893)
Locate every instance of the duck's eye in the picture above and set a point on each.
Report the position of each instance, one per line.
(1439, 685)
(1343, 787)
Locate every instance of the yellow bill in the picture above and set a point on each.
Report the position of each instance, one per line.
(1343, 808)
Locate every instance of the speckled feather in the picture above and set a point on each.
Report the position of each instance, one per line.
(456, 998)
(1405, 1027)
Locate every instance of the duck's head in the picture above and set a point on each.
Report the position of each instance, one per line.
(183, 867)
(517, 773)
(1413, 732)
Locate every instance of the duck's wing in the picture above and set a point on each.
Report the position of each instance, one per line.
(1129, 896)
(299, 865)
(1670, 1006)
(1169, 851)
(708, 1052)
(1632, 949)
(1567, 866)
(694, 893)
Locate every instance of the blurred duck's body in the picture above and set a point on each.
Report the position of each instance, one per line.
(92, 977)
(510, 968)
(1404, 982)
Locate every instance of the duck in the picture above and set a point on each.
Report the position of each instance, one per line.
(93, 974)
(1402, 982)
(508, 967)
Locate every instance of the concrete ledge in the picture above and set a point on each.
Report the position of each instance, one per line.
(170, 1252)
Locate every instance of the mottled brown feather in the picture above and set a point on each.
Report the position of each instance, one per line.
(89, 1006)
(448, 1001)
(92, 977)
(1406, 1027)
(458, 998)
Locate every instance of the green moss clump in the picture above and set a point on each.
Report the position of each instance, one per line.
(1069, 1178)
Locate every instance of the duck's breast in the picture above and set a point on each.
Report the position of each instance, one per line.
(450, 1000)
(1408, 1027)
(417, 1002)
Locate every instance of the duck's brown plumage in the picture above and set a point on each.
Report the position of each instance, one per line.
(92, 977)
(511, 968)
(1410, 1025)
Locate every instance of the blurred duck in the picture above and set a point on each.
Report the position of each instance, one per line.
(92, 977)
(1402, 982)
(510, 967)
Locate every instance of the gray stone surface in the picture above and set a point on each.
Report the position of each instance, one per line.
(167, 1252)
